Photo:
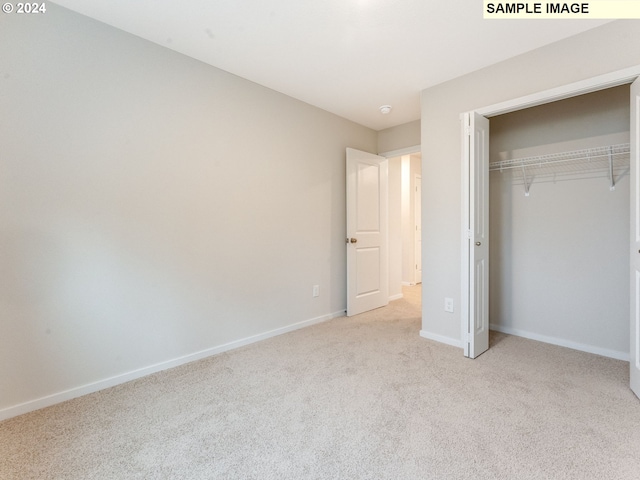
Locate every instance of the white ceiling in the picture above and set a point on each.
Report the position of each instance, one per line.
(345, 56)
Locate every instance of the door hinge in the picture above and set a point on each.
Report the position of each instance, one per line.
(469, 234)
(467, 130)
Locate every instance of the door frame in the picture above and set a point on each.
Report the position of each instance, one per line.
(389, 154)
(417, 219)
(589, 85)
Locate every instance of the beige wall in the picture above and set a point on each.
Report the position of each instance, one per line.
(399, 137)
(152, 207)
(608, 48)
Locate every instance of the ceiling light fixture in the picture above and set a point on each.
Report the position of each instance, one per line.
(385, 109)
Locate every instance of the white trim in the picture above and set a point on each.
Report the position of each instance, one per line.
(605, 352)
(65, 395)
(417, 180)
(401, 151)
(608, 80)
(441, 339)
(396, 297)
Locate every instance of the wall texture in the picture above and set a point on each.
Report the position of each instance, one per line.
(152, 207)
(399, 137)
(605, 49)
(559, 262)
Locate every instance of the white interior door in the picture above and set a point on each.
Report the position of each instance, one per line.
(634, 352)
(418, 230)
(367, 232)
(475, 257)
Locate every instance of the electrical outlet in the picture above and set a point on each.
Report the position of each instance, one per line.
(448, 305)
(316, 290)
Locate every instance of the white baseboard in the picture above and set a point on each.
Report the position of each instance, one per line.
(562, 343)
(65, 395)
(396, 297)
(442, 339)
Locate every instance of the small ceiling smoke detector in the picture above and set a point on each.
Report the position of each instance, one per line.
(385, 109)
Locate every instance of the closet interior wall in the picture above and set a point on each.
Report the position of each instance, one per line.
(559, 269)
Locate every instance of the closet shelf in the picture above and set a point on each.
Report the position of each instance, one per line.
(611, 161)
(580, 156)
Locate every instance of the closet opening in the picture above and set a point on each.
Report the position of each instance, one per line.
(559, 206)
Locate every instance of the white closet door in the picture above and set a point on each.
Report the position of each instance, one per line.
(635, 238)
(475, 305)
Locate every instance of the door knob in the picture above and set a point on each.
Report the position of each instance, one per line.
(478, 244)
(353, 240)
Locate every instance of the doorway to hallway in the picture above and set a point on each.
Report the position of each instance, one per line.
(405, 223)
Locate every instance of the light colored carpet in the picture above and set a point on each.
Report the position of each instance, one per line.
(354, 398)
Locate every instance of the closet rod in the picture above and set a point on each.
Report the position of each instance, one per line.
(571, 156)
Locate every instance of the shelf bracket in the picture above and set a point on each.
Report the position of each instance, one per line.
(612, 181)
(526, 183)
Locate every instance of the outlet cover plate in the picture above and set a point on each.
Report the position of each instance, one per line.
(448, 305)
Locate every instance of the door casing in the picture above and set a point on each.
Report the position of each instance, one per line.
(417, 255)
